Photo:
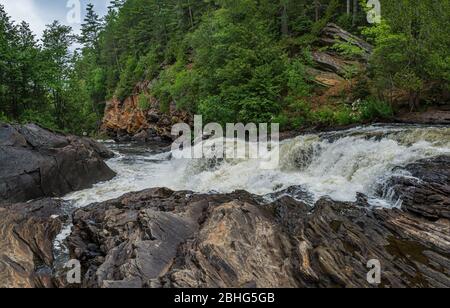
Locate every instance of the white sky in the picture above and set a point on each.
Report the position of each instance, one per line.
(39, 13)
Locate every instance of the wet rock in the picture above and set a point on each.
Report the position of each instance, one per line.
(27, 232)
(35, 163)
(425, 190)
(161, 238)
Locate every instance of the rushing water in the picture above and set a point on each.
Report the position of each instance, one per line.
(335, 164)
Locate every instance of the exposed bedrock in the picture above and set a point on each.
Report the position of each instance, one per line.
(426, 191)
(35, 162)
(27, 231)
(161, 238)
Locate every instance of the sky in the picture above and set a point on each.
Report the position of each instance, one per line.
(39, 13)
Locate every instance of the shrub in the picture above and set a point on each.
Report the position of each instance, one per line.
(325, 115)
(4, 118)
(345, 116)
(283, 120)
(43, 118)
(372, 109)
(143, 102)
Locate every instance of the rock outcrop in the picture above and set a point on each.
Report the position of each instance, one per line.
(27, 232)
(35, 162)
(427, 191)
(127, 121)
(332, 68)
(160, 238)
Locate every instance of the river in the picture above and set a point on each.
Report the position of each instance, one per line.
(336, 164)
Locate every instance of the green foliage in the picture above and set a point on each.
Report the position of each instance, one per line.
(43, 118)
(4, 118)
(230, 61)
(325, 116)
(373, 109)
(345, 116)
(348, 50)
(411, 46)
(143, 102)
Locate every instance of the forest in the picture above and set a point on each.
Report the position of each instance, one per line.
(229, 60)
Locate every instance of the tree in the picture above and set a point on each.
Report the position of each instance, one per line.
(57, 40)
(91, 27)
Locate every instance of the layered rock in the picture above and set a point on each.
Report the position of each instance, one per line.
(331, 68)
(27, 232)
(427, 191)
(161, 238)
(127, 121)
(35, 162)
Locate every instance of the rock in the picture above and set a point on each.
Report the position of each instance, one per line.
(333, 34)
(427, 192)
(126, 121)
(141, 137)
(323, 78)
(35, 163)
(161, 238)
(27, 232)
(330, 62)
(331, 69)
(429, 117)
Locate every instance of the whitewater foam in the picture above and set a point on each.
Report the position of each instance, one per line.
(337, 164)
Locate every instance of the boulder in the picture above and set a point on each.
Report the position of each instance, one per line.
(35, 162)
(427, 191)
(160, 238)
(27, 232)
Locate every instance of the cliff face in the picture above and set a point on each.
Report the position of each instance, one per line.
(125, 121)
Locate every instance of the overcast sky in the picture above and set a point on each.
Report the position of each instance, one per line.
(39, 13)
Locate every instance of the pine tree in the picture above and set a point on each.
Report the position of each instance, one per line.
(91, 28)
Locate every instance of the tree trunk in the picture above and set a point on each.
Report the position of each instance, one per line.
(355, 11)
(349, 7)
(317, 8)
(191, 15)
(285, 20)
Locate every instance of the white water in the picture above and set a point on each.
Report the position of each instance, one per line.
(338, 165)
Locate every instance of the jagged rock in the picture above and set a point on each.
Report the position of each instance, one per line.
(332, 63)
(333, 34)
(323, 78)
(427, 192)
(124, 120)
(27, 232)
(331, 68)
(35, 162)
(161, 238)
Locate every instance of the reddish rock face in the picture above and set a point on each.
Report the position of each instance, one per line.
(124, 120)
(124, 116)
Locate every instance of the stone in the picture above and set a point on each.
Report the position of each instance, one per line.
(27, 232)
(35, 162)
(160, 238)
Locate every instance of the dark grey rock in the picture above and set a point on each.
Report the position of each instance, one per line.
(35, 162)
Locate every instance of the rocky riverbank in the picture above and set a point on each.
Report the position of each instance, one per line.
(35, 162)
(162, 238)
(166, 238)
